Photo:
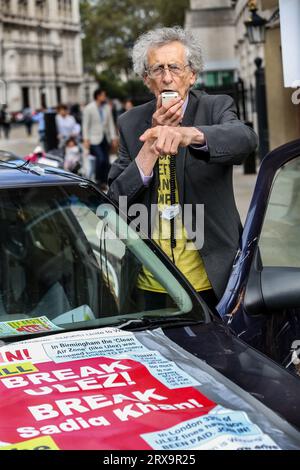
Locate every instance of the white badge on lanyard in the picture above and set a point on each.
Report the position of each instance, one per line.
(170, 212)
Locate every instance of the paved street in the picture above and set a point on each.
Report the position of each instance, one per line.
(18, 141)
(20, 144)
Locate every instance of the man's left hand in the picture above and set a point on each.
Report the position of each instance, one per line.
(169, 139)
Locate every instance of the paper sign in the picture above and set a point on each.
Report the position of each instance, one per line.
(27, 326)
(41, 443)
(224, 430)
(102, 389)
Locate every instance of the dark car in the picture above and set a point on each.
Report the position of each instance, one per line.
(85, 365)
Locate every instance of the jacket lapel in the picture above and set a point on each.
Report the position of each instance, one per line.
(150, 112)
(145, 123)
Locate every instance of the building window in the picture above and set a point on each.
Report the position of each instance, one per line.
(58, 95)
(23, 7)
(23, 64)
(25, 97)
(68, 8)
(65, 9)
(41, 8)
(5, 6)
(218, 78)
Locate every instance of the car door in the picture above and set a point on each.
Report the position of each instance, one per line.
(262, 300)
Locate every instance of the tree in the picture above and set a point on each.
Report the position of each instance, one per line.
(172, 12)
(113, 86)
(110, 28)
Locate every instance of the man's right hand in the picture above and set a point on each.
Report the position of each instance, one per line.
(147, 157)
(169, 114)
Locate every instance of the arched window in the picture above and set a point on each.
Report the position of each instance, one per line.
(41, 8)
(23, 7)
(6, 6)
(65, 9)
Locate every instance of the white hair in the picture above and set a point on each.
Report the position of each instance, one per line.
(161, 36)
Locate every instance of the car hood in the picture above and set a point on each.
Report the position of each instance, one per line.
(270, 383)
(111, 389)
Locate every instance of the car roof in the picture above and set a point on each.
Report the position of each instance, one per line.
(15, 172)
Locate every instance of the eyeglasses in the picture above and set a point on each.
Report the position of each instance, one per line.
(157, 71)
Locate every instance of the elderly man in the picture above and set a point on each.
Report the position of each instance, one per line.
(181, 153)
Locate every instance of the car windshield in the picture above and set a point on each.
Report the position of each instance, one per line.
(68, 261)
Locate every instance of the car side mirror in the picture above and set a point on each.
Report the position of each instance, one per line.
(272, 289)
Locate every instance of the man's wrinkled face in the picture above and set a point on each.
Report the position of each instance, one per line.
(172, 53)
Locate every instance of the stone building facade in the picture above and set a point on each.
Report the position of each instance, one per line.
(228, 55)
(40, 52)
(212, 22)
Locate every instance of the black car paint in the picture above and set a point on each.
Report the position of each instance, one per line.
(274, 386)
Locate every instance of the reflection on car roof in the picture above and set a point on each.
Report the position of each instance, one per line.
(14, 171)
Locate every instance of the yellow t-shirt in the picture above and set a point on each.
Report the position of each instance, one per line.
(186, 255)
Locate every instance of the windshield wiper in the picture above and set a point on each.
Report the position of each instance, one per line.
(152, 322)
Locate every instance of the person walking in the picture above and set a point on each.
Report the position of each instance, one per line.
(5, 120)
(39, 117)
(28, 120)
(99, 134)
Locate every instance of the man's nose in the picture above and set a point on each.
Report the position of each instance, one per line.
(167, 76)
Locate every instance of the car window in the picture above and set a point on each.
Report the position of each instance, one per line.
(67, 256)
(279, 242)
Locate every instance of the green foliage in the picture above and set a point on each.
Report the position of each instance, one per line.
(110, 28)
(111, 84)
(136, 91)
(115, 88)
(172, 12)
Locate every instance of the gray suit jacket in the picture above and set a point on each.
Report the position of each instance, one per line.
(202, 177)
(93, 129)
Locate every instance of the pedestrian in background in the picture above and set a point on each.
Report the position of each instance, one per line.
(128, 104)
(72, 157)
(28, 120)
(39, 117)
(5, 121)
(66, 125)
(99, 134)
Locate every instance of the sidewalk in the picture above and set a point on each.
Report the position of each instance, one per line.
(18, 142)
(22, 145)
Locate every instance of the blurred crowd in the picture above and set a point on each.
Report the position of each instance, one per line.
(86, 135)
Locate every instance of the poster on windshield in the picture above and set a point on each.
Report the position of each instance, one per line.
(102, 389)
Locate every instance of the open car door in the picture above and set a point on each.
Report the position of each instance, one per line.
(262, 300)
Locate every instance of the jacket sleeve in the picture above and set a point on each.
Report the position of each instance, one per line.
(229, 141)
(124, 178)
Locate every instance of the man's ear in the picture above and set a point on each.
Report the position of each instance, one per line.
(147, 81)
(193, 78)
